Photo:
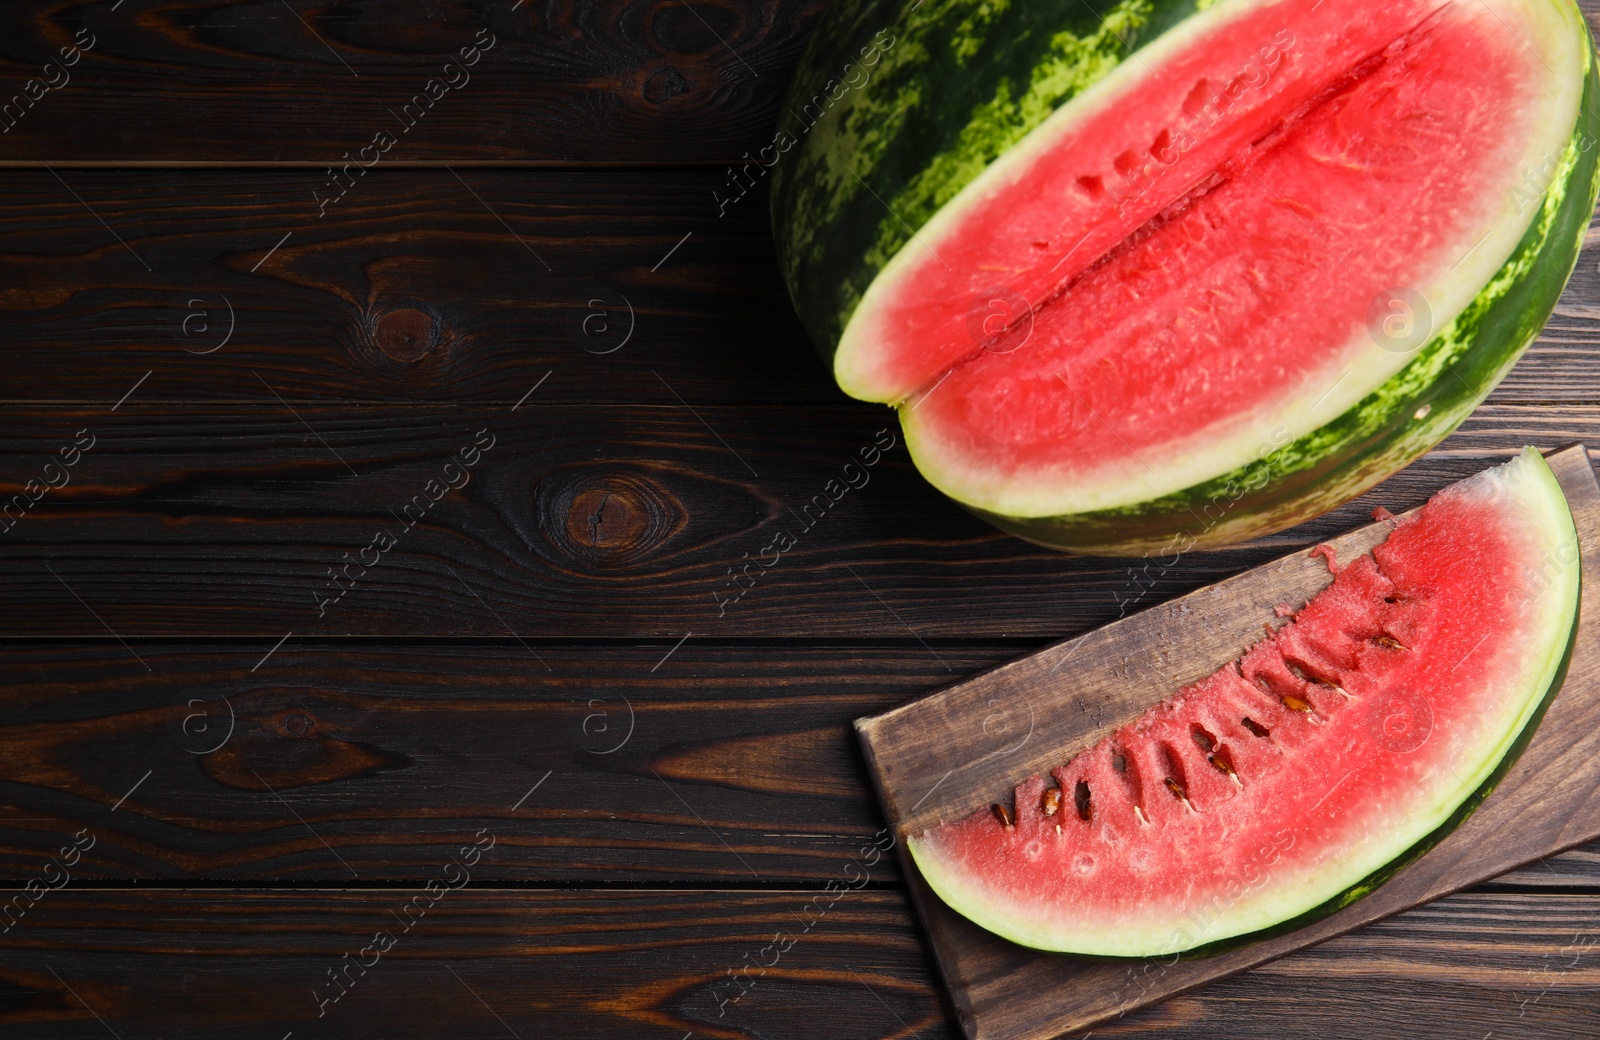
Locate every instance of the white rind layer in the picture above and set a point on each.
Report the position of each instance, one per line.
(1552, 28)
(1526, 489)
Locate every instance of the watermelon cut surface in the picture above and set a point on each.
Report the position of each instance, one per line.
(1293, 780)
(1177, 271)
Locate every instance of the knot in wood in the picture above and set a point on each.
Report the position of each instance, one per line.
(297, 724)
(611, 518)
(405, 334)
(663, 85)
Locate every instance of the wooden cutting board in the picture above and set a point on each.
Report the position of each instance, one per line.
(966, 745)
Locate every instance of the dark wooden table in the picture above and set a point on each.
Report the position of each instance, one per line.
(372, 665)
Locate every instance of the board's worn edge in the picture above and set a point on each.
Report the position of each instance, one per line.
(1574, 470)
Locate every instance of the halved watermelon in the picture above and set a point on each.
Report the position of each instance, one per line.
(1295, 779)
(1151, 270)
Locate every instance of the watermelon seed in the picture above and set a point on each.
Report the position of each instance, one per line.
(1301, 674)
(1176, 774)
(1255, 727)
(1231, 774)
(1080, 795)
(1221, 760)
(1179, 793)
(1294, 703)
(1051, 802)
(1390, 643)
(1137, 811)
(1003, 816)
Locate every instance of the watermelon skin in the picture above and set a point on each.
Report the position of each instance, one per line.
(954, 85)
(932, 115)
(1450, 376)
(1537, 531)
(1376, 879)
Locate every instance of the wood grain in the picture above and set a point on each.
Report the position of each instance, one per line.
(411, 289)
(420, 308)
(639, 81)
(944, 755)
(187, 965)
(579, 522)
(336, 760)
(426, 286)
(721, 763)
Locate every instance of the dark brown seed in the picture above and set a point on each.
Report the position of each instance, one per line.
(1335, 687)
(1176, 789)
(1221, 763)
(1255, 727)
(1001, 815)
(1051, 802)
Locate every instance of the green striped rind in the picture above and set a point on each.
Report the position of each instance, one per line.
(1516, 742)
(953, 84)
(1546, 645)
(1366, 886)
(1449, 377)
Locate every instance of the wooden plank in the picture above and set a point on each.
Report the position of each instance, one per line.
(943, 755)
(223, 81)
(579, 522)
(583, 81)
(341, 759)
(239, 965)
(709, 762)
(426, 286)
(410, 288)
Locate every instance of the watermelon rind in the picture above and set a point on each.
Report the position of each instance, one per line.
(1546, 640)
(898, 105)
(1376, 879)
(963, 92)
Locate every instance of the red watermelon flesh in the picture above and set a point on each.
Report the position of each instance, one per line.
(1288, 777)
(1184, 275)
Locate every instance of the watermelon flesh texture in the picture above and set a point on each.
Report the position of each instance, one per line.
(1177, 272)
(1284, 781)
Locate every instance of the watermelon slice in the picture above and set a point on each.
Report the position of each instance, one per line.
(1295, 779)
(1156, 274)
